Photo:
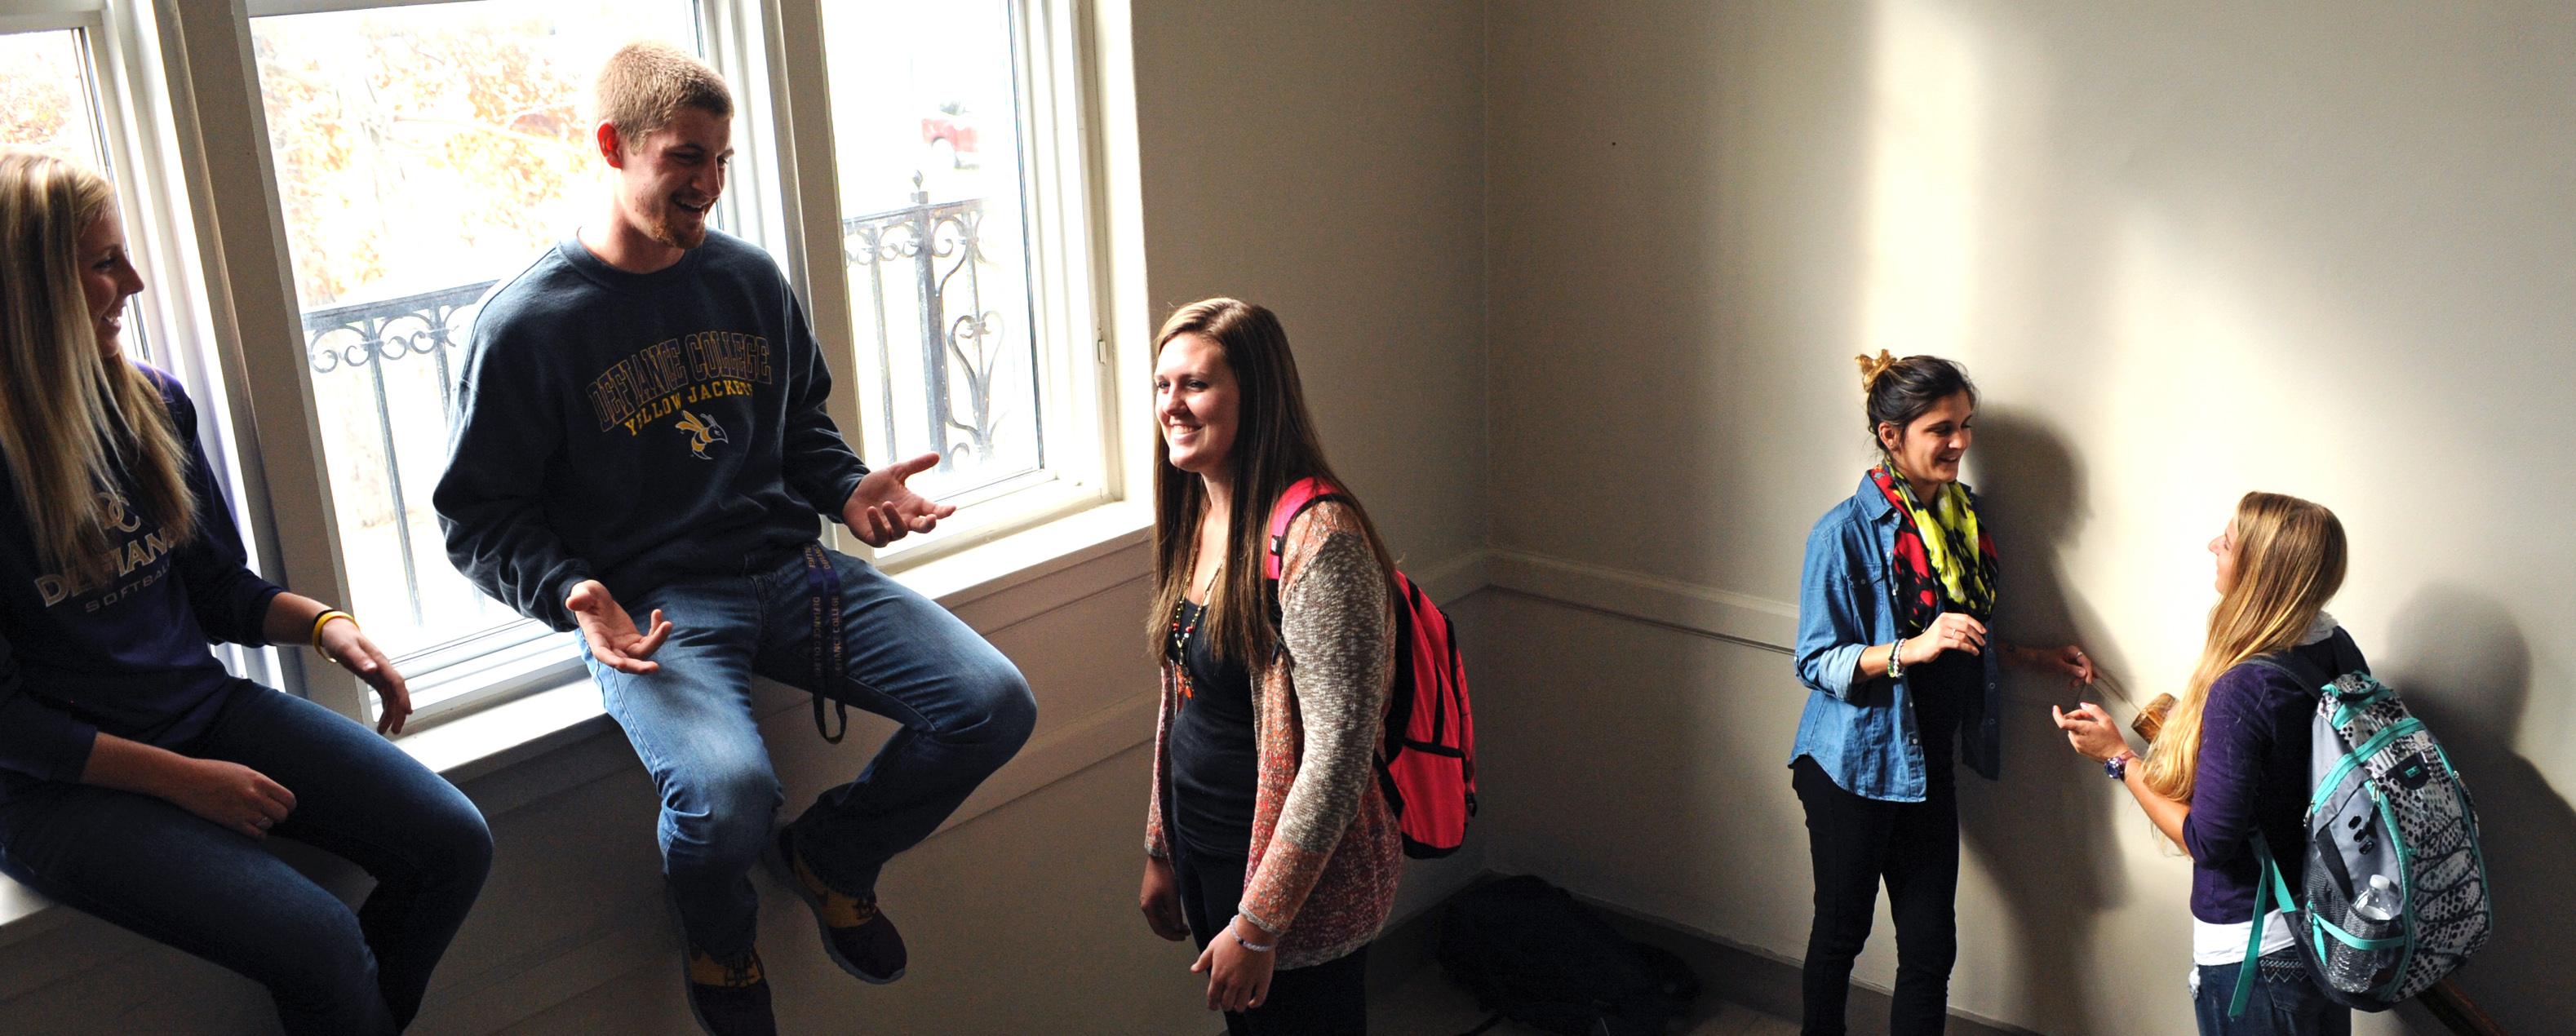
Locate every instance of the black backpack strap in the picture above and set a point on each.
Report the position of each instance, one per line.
(2347, 655)
(2296, 664)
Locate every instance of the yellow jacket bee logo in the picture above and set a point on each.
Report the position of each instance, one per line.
(703, 432)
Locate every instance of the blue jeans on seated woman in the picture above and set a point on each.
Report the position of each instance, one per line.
(2278, 1006)
(964, 707)
(149, 866)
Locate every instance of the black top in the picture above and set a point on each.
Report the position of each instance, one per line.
(1941, 687)
(1215, 764)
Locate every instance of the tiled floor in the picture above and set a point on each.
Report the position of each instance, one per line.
(1427, 1005)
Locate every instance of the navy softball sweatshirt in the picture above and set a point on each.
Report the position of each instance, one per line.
(127, 656)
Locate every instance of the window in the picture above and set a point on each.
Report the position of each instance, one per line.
(928, 155)
(45, 96)
(969, 305)
(51, 98)
(421, 154)
(423, 150)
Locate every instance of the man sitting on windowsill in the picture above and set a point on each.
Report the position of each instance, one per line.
(640, 425)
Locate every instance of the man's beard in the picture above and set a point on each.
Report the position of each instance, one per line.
(661, 229)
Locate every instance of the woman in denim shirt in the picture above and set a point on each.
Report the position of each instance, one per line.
(1892, 645)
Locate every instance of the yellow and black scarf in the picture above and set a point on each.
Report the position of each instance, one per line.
(1941, 554)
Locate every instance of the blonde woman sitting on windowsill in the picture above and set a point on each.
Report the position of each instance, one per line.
(137, 776)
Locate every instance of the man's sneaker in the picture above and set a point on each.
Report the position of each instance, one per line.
(730, 999)
(856, 935)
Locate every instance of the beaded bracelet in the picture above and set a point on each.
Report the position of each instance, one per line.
(1246, 944)
(323, 619)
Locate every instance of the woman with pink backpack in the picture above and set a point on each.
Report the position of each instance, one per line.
(1269, 839)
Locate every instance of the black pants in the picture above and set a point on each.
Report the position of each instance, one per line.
(1328, 999)
(1855, 843)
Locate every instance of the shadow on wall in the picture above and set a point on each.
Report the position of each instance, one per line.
(2043, 831)
(2464, 666)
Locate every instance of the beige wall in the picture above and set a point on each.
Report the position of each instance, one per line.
(1326, 160)
(2188, 250)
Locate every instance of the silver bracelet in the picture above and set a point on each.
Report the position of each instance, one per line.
(1240, 941)
(1895, 667)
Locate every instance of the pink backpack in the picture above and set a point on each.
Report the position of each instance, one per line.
(1427, 764)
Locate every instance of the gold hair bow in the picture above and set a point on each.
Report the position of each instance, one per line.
(1871, 369)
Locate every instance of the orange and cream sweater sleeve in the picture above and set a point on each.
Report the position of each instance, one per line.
(1318, 753)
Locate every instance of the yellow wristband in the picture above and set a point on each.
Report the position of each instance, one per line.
(323, 619)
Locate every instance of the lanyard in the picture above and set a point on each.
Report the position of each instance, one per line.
(823, 586)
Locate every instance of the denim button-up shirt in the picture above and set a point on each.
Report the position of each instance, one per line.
(1863, 732)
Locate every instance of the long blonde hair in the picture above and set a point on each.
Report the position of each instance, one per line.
(2289, 563)
(76, 427)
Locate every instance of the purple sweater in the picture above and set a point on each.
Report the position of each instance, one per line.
(2253, 775)
(128, 658)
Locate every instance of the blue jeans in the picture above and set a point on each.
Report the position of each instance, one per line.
(167, 874)
(2276, 1007)
(964, 708)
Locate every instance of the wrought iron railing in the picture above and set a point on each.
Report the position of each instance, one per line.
(960, 339)
(368, 335)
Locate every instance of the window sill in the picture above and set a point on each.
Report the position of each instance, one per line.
(990, 585)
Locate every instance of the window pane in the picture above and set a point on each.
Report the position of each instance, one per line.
(422, 153)
(44, 95)
(925, 112)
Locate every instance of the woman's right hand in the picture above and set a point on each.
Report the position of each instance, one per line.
(1160, 899)
(1952, 631)
(230, 794)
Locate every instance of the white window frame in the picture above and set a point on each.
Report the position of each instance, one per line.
(784, 196)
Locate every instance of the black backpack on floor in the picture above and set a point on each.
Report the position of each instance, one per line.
(1531, 954)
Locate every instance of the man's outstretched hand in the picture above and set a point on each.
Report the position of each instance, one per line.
(613, 638)
(883, 509)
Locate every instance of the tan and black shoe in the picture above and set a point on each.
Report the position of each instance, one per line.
(730, 998)
(856, 935)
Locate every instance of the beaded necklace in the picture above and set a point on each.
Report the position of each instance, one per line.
(1181, 631)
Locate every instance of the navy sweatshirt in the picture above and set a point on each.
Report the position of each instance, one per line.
(634, 428)
(2253, 776)
(129, 657)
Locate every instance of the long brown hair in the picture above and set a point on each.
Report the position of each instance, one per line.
(76, 426)
(2289, 563)
(1274, 446)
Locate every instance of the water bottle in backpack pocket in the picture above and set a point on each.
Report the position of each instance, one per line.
(2395, 894)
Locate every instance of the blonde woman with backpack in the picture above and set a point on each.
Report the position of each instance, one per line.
(2232, 762)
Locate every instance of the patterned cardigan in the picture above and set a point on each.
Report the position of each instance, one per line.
(1325, 851)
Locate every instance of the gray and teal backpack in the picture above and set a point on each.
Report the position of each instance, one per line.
(2396, 891)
